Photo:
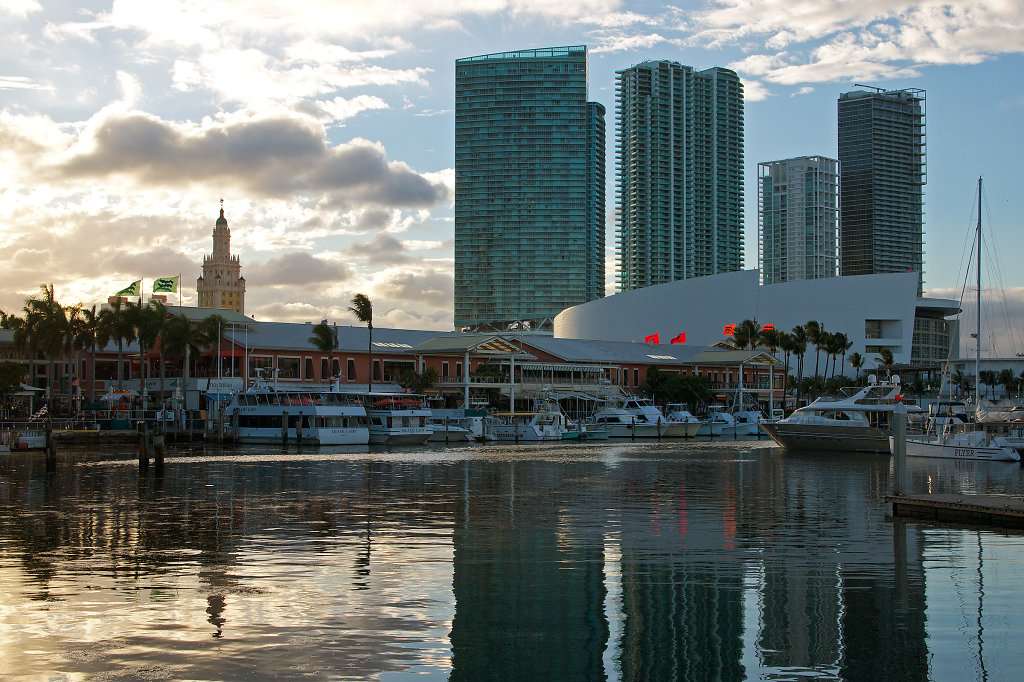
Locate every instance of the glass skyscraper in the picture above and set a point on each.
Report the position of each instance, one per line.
(529, 186)
(798, 218)
(680, 173)
(881, 181)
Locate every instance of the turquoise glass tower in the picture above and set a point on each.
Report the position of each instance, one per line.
(680, 173)
(529, 187)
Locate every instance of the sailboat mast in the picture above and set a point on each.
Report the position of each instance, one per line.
(977, 348)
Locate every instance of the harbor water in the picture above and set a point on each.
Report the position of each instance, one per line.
(589, 561)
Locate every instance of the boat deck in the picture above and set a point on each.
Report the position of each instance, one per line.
(988, 510)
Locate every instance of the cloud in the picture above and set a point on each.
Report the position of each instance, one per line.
(428, 287)
(20, 83)
(859, 40)
(19, 8)
(274, 155)
(384, 249)
(297, 268)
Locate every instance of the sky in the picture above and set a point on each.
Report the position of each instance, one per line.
(327, 127)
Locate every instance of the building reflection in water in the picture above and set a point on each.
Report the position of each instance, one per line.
(593, 563)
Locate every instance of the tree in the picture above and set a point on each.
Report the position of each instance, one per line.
(150, 321)
(844, 345)
(325, 340)
(180, 340)
(813, 330)
(11, 376)
(1006, 379)
(87, 339)
(886, 360)
(211, 329)
(787, 345)
(417, 382)
(51, 327)
(857, 361)
(799, 336)
(746, 335)
(116, 324)
(362, 308)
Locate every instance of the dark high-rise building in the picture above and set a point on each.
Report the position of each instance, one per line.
(882, 174)
(529, 186)
(680, 173)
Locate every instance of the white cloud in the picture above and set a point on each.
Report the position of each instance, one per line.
(19, 8)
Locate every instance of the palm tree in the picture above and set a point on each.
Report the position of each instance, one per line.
(786, 345)
(857, 361)
(886, 360)
(116, 324)
(51, 326)
(1006, 379)
(150, 323)
(844, 345)
(212, 330)
(362, 308)
(799, 336)
(87, 339)
(825, 344)
(181, 339)
(325, 339)
(745, 335)
(813, 329)
(989, 378)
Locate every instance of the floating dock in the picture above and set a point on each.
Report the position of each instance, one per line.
(1004, 511)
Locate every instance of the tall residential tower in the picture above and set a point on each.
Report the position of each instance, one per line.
(680, 173)
(529, 186)
(882, 174)
(798, 217)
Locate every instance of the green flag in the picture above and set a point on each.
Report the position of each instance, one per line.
(166, 284)
(133, 289)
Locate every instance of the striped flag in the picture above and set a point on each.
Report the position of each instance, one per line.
(133, 289)
(169, 284)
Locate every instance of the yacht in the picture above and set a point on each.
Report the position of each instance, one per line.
(447, 430)
(264, 414)
(859, 420)
(547, 425)
(647, 413)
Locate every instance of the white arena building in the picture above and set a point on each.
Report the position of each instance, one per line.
(874, 311)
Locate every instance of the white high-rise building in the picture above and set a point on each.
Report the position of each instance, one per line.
(798, 218)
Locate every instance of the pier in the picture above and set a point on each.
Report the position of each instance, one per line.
(1004, 511)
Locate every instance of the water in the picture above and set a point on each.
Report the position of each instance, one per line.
(617, 561)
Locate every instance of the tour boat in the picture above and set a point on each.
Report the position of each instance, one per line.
(264, 414)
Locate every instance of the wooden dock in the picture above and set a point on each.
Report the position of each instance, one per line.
(1003, 511)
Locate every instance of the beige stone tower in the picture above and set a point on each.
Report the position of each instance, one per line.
(221, 285)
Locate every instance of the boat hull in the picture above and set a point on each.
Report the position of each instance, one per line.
(961, 451)
(411, 436)
(320, 437)
(818, 437)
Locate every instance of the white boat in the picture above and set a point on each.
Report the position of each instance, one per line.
(448, 430)
(264, 414)
(526, 426)
(859, 420)
(968, 442)
(647, 413)
(398, 418)
(946, 439)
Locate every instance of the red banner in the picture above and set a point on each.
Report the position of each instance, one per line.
(729, 329)
(653, 338)
(679, 338)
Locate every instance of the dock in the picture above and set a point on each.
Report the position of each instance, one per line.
(1004, 511)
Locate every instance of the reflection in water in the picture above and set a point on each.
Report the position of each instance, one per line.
(616, 561)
